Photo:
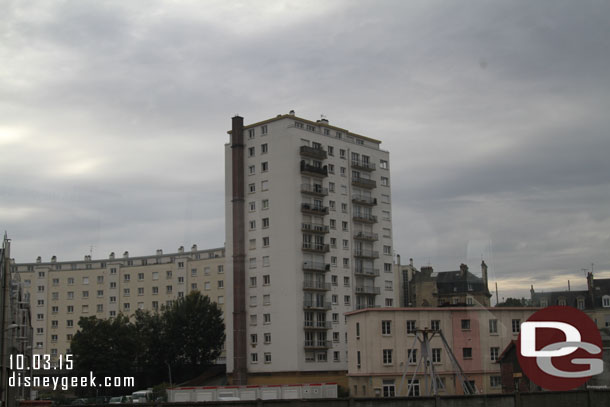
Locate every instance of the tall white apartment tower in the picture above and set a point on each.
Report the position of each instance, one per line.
(309, 238)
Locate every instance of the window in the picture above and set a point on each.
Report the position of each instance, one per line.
(266, 261)
(266, 318)
(389, 302)
(265, 223)
(341, 153)
(126, 306)
(251, 133)
(267, 338)
(465, 324)
(266, 299)
(606, 301)
(100, 308)
(193, 286)
(221, 269)
(344, 226)
(516, 325)
(251, 169)
(411, 327)
(333, 225)
(206, 286)
(343, 172)
(413, 386)
(112, 270)
(253, 300)
(140, 290)
(85, 294)
(221, 299)
(266, 279)
(387, 356)
(343, 207)
(252, 188)
(412, 356)
(467, 353)
(580, 303)
(331, 187)
(389, 388)
(385, 181)
(346, 281)
(383, 164)
(112, 300)
(331, 168)
(252, 206)
(113, 285)
(252, 263)
(126, 292)
(388, 285)
(141, 276)
(193, 272)
(264, 129)
(386, 327)
(495, 381)
(220, 284)
(331, 151)
(266, 241)
(254, 358)
(264, 148)
(251, 151)
(387, 250)
(436, 355)
(85, 309)
(252, 281)
(70, 280)
(335, 318)
(435, 324)
(493, 326)
(267, 357)
(264, 185)
(69, 323)
(345, 244)
(252, 244)
(345, 263)
(265, 203)
(127, 278)
(180, 280)
(494, 353)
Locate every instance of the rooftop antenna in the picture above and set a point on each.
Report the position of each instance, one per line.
(322, 116)
(91, 250)
(584, 271)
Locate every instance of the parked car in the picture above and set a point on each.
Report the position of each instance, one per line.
(120, 400)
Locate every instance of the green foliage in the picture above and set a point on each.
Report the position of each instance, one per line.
(186, 337)
(514, 302)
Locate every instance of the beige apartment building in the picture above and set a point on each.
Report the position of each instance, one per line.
(61, 292)
(309, 238)
(384, 345)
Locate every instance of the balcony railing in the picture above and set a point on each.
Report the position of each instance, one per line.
(318, 344)
(314, 209)
(313, 170)
(369, 254)
(364, 200)
(313, 152)
(367, 290)
(361, 165)
(366, 236)
(314, 227)
(309, 304)
(316, 247)
(363, 306)
(315, 266)
(316, 285)
(318, 325)
(314, 189)
(366, 272)
(364, 183)
(360, 217)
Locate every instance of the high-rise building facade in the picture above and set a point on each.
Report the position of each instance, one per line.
(61, 292)
(309, 238)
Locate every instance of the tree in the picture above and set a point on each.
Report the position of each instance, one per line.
(194, 330)
(514, 302)
(105, 347)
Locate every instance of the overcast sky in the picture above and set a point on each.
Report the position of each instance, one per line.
(113, 117)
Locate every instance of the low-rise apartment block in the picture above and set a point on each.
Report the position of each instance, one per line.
(384, 346)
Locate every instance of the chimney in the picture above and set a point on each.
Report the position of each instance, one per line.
(463, 270)
(111, 257)
(591, 286)
(181, 249)
(194, 248)
(39, 259)
(411, 262)
(53, 259)
(532, 291)
(291, 113)
(398, 259)
(159, 252)
(484, 273)
(126, 255)
(87, 257)
(569, 285)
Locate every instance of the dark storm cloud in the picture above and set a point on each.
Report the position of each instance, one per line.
(495, 115)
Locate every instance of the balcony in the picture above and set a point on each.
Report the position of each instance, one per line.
(366, 272)
(363, 289)
(315, 266)
(361, 165)
(314, 209)
(315, 305)
(366, 254)
(316, 285)
(313, 152)
(364, 218)
(364, 183)
(364, 200)
(314, 189)
(318, 325)
(363, 306)
(318, 345)
(314, 228)
(309, 169)
(316, 247)
(368, 236)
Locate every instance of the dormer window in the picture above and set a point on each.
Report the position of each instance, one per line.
(606, 301)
